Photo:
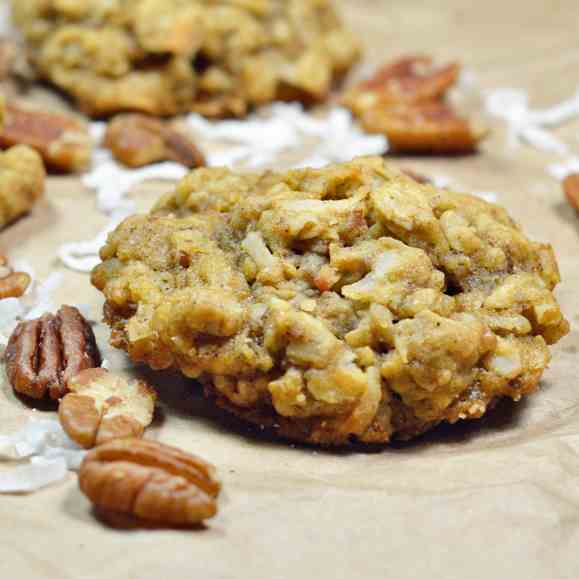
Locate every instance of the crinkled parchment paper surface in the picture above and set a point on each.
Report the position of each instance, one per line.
(491, 499)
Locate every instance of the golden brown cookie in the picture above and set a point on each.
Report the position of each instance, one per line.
(337, 303)
(167, 56)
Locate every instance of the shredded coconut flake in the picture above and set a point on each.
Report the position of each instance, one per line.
(82, 256)
(526, 125)
(281, 129)
(49, 451)
(564, 169)
(37, 474)
(284, 129)
(441, 181)
(112, 182)
(487, 196)
(97, 132)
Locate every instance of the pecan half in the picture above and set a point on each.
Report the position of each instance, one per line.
(137, 140)
(44, 354)
(62, 140)
(571, 190)
(150, 480)
(423, 128)
(412, 79)
(405, 101)
(101, 407)
(13, 284)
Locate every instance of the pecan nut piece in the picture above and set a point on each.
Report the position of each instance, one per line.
(101, 407)
(571, 190)
(423, 128)
(137, 140)
(411, 79)
(42, 355)
(13, 284)
(405, 101)
(151, 481)
(62, 140)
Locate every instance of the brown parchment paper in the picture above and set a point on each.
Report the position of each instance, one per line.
(497, 498)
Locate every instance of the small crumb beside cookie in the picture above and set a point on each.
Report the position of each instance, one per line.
(151, 481)
(13, 284)
(101, 407)
(62, 140)
(137, 140)
(42, 355)
(405, 101)
(571, 190)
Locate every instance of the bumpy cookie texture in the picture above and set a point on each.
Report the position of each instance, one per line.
(167, 56)
(332, 304)
(22, 177)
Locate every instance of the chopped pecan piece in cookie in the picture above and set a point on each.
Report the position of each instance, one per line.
(151, 481)
(571, 190)
(101, 407)
(61, 139)
(137, 140)
(42, 355)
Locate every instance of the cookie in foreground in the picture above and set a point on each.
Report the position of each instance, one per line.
(168, 56)
(348, 302)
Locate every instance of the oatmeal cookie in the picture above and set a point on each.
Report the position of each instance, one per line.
(22, 176)
(162, 57)
(337, 303)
